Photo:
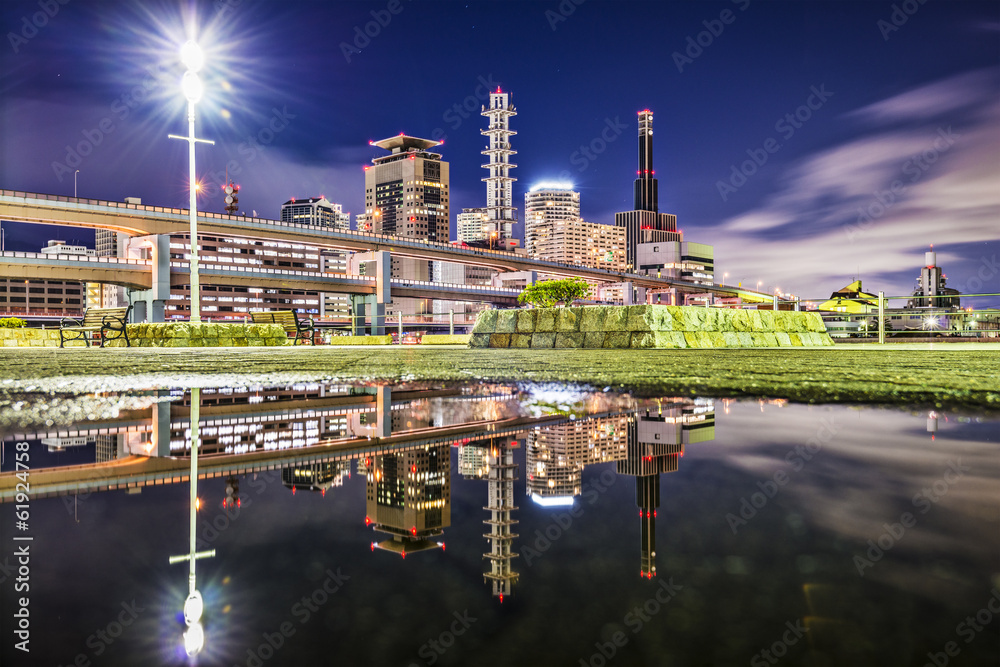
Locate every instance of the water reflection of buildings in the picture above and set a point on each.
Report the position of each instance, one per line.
(501, 472)
(409, 497)
(656, 440)
(556, 455)
(317, 476)
(473, 461)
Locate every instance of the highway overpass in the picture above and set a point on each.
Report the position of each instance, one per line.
(138, 274)
(141, 220)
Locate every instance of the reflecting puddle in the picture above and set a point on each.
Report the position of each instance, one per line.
(422, 524)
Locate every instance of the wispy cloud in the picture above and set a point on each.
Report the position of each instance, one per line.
(923, 170)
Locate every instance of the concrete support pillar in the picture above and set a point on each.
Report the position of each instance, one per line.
(383, 411)
(150, 305)
(357, 312)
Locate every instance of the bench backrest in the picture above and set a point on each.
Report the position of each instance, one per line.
(94, 317)
(286, 318)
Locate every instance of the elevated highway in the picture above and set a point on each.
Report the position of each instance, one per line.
(140, 220)
(138, 274)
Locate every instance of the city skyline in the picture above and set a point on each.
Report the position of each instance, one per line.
(807, 142)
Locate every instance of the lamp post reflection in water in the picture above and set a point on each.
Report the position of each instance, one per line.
(194, 637)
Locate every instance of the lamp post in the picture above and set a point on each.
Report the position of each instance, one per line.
(74, 182)
(193, 59)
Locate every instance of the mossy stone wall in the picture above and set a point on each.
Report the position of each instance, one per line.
(647, 326)
(202, 334)
(30, 337)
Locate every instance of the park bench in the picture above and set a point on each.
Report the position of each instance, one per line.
(109, 323)
(289, 321)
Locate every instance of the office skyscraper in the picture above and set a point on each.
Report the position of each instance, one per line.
(406, 192)
(500, 211)
(645, 224)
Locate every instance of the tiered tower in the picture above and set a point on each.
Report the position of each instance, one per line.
(502, 473)
(500, 211)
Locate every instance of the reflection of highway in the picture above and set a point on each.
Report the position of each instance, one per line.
(236, 421)
(402, 442)
(133, 471)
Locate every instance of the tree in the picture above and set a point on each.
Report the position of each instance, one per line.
(551, 292)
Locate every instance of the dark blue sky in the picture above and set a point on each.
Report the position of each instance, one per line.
(294, 96)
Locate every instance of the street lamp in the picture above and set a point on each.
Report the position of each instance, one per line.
(74, 182)
(191, 86)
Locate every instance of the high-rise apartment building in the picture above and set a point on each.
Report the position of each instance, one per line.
(581, 243)
(315, 211)
(645, 224)
(553, 231)
(500, 210)
(544, 206)
(471, 225)
(556, 456)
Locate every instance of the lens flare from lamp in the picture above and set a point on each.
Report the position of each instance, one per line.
(193, 607)
(194, 639)
(192, 56)
(192, 87)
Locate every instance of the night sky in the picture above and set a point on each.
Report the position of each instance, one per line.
(807, 141)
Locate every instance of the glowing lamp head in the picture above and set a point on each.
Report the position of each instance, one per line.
(193, 607)
(192, 87)
(192, 56)
(194, 639)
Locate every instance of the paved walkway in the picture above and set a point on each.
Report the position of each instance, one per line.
(941, 375)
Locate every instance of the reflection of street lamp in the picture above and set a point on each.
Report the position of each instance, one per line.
(724, 276)
(193, 59)
(194, 636)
